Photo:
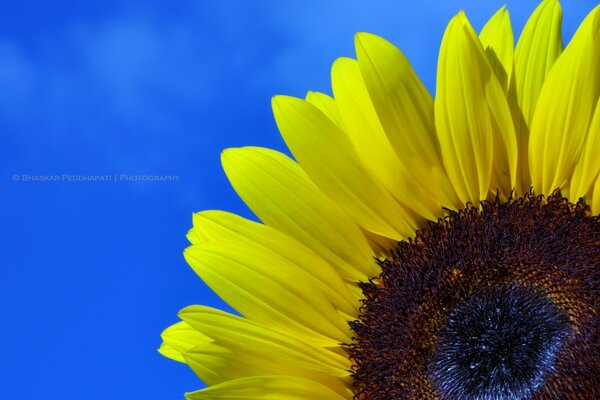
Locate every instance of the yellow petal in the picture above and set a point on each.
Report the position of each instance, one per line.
(565, 108)
(241, 335)
(215, 364)
(405, 111)
(596, 197)
(403, 104)
(361, 122)
(192, 236)
(523, 184)
(380, 245)
(498, 42)
(211, 363)
(327, 156)
(179, 338)
(472, 117)
(264, 286)
(539, 46)
(588, 165)
(326, 104)
(170, 352)
(371, 143)
(223, 227)
(268, 388)
(278, 191)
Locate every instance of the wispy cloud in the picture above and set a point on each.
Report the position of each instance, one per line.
(139, 87)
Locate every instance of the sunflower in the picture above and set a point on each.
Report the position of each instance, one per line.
(415, 249)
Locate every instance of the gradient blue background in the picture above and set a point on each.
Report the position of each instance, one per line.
(92, 272)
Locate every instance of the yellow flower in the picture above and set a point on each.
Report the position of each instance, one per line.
(415, 249)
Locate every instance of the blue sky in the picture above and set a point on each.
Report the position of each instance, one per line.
(93, 271)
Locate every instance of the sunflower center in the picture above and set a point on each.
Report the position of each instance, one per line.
(500, 343)
(495, 302)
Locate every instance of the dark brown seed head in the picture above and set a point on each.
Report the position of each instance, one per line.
(496, 302)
